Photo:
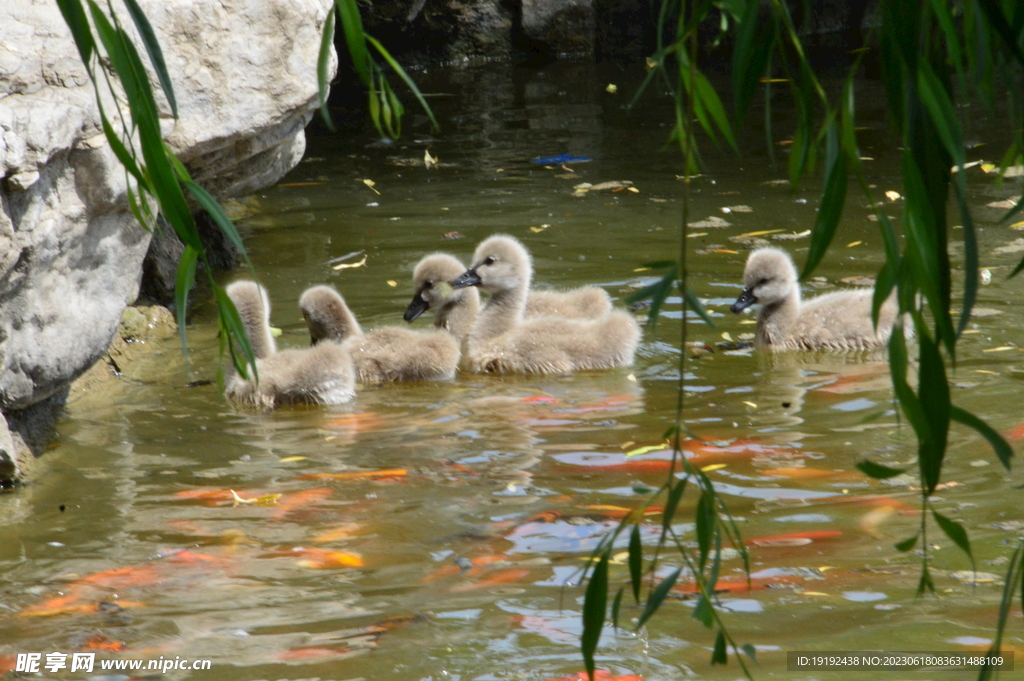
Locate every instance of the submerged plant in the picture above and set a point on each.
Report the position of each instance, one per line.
(934, 56)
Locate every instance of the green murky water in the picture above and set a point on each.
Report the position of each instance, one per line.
(129, 536)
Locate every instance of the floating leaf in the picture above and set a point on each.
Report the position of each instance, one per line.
(428, 160)
(371, 184)
(345, 266)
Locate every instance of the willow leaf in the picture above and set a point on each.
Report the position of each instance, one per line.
(956, 532)
(156, 55)
(832, 202)
(594, 604)
(322, 64)
(185, 278)
(76, 19)
(999, 445)
(657, 596)
(352, 26)
(405, 78)
(878, 471)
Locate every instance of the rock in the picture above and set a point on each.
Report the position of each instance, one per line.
(71, 252)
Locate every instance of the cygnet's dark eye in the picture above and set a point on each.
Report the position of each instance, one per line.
(489, 260)
(762, 282)
(428, 285)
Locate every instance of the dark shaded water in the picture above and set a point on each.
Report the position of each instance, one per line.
(454, 563)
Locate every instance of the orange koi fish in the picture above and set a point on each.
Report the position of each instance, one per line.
(290, 502)
(793, 538)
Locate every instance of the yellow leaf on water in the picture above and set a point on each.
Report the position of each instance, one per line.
(986, 371)
(727, 337)
(726, 250)
(892, 196)
(815, 593)
(538, 229)
(370, 184)
(749, 321)
(345, 266)
(988, 167)
(631, 377)
(696, 234)
(275, 332)
(289, 459)
(761, 233)
(265, 500)
(633, 189)
(428, 160)
(854, 243)
(750, 404)
(714, 467)
(1001, 348)
(611, 88)
(642, 269)
(392, 283)
(627, 444)
(648, 448)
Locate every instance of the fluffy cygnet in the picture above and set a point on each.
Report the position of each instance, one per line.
(504, 341)
(384, 355)
(833, 321)
(455, 310)
(318, 375)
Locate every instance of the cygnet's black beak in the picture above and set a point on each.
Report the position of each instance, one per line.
(417, 307)
(745, 300)
(467, 278)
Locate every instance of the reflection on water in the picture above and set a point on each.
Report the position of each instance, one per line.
(436, 530)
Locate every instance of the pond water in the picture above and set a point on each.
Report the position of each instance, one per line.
(449, 546)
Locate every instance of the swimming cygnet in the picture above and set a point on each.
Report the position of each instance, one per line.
(318, 375)
(391, 353)
(503, 341)
(833, 321)
(455, 310)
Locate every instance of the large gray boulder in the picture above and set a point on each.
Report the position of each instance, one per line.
(244, 72)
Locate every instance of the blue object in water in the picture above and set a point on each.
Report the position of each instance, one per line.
(560, 159)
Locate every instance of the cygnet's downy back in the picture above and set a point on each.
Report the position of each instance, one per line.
(833, 321)
(384, 355)
(503, 341)
(318, 375)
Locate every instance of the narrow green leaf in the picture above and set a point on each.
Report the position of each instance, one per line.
(616, 606)
(405, 77)
(933, 392)
(693, 303)
(183, 282)
(231, 323)
(907, 544)
(954, 531)
(997, 20)
(971, 261)
(672, 503)
(751, 52)
(121, 151)
(75, 18)
(657, 596)
(704, 612)
(720, 654)
(322, 64)
(714, 106)
(657, 292)
(832, 201)
(352, 26)
(878, 471)
(999, 445)
(220, 218)
(705, 525)
(907, 398)
(156, 55)
(594, 605)
(884, 284)
(636, 559)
